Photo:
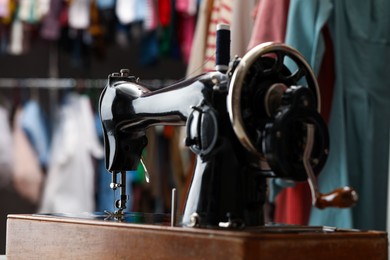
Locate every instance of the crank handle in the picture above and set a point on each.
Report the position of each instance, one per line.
(340, 198)
(344, 197)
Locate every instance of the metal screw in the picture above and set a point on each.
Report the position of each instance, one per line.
(194, 220)
(125, 72)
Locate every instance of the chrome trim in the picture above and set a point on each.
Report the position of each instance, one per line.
(236, 85)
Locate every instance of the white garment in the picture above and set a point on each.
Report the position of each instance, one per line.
(241, 26)
(32, 11)
(6, 149)
(129, 11)
(16, 41)
(79, 14)
(70, 183)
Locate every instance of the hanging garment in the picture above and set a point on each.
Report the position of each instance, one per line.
(4, 8)
(70, 183)
(149, 48)
(32, 11)
(241, 26)
(304, 26)
(186, 27)
(388, 197)
(197, 55)
(16, 39)
(105, 4)
(168, 41)
(358, 134)
(50, 28)
(186, 6)
(27, 175)
(359, 127)
(150, 19)
(79, 14)
(270, 22)
(305, 31)
(129, 11)
(34, 126)
(6, 150)
(164, 12)
(108, 22)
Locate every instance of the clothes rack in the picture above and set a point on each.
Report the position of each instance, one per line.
(69, 83)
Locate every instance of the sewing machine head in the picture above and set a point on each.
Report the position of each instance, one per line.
(257, 117)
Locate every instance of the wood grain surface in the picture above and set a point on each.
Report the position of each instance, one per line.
(38, 237)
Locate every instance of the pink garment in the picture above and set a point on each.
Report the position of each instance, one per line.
(186, 6)
(270, 22)
(186, 27)
(28, 176)
(151, 19)
(186, 11)
(4, 8)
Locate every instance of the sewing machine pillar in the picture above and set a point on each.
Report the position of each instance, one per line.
(224, 188)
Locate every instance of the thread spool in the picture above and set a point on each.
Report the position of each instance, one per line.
(222, 47)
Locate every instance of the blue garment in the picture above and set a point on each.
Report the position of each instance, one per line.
(358, 122)
(105, 4)
(149, 48)
(361, 30)
(304, 24)
(34, 125)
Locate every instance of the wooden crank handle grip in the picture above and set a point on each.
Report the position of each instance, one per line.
(341, 198)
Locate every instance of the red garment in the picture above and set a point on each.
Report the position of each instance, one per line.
(293, 204)
(164, 11)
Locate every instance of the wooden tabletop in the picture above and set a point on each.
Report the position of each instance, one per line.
(40, 236)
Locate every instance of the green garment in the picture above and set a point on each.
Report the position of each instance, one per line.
(359, 121)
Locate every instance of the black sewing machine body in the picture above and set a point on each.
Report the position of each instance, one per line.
(244, 125)
(221, 182)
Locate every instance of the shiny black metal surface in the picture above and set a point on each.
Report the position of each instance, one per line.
(244, 126)
(223, 184)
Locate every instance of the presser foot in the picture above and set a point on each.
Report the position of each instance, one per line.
(116, 215)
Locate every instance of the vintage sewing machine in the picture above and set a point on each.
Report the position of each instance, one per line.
(253, 118)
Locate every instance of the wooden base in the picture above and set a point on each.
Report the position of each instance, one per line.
(43, 237)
